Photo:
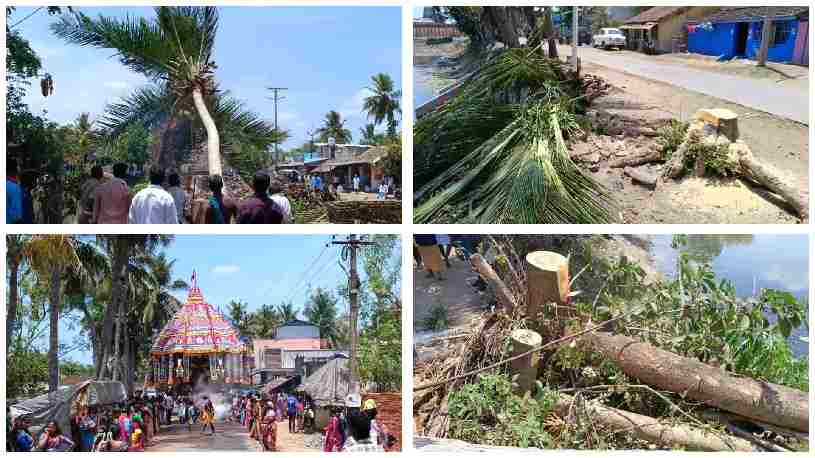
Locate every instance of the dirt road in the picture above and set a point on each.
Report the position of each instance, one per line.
(775, 140)
(454, 293)
(786, 100)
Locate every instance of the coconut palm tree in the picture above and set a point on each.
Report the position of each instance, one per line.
(322, 312)
(52, 257)
(369, 135)
(334, 126)
(174, 50)
(265, 321)
(383, 103)
(286, 312)
(16, 252)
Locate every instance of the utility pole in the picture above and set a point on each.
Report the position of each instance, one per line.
(766, 28)
(354, 245)
(575, 37)
(277, 97)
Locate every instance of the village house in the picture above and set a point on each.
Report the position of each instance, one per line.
(661, 29)
(295, 353)
(736, 32)
(337, 164)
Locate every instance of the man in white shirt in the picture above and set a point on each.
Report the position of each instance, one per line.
(179, 195)
(356, 183)
(153, 205)
(276, 190)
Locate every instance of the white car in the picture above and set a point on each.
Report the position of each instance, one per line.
(608, 38)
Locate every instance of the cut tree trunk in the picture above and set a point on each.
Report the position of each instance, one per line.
(762, 401)
(641, 177)
(771, 178)
(675, 165)
(504, 25)
(547, 278)
(651, 429)
(646, 157)
(524, 371)
(121, 254)
(213, 138)
(504, 296)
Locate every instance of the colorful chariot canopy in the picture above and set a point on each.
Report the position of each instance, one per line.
(197, 329)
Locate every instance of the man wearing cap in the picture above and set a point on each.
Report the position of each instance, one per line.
(378, 432)
(361, 432)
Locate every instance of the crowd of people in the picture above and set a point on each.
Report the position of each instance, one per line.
(260, 414)
(432, 252)
(115, 428)
(318, 185)
(352, 429)
(110, 200)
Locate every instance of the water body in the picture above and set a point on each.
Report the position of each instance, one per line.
(422, 84)
(750, 262)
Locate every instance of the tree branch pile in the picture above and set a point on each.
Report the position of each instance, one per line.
(749, 414)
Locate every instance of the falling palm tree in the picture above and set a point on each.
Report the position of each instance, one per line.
(383, 103)
(174, 51)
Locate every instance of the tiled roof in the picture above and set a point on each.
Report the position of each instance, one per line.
(655, 14)
(754, 13)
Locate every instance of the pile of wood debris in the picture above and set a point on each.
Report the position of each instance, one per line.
(731, 413)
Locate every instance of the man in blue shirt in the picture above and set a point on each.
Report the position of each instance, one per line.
(291, 410)
(22, 438)
(14, 194)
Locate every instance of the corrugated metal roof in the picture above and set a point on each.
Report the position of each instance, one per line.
(754, 13)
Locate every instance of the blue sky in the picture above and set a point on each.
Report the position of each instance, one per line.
(266, 269)
(324, 55)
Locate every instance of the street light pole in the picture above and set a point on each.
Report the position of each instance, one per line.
(277, 97)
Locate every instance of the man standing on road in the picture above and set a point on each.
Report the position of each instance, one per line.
(276, 189)
(356, 183)
(260, 208)
(291, 411)
(88, 194)
(112, 199)
(153, 205)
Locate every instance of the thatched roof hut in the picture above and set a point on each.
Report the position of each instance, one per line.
(329, 385)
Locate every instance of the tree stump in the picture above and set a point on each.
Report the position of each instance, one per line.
(547, 281)
(524, 370)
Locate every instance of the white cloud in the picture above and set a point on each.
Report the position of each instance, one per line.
(352, 107)
(226, 269)
(286, 116)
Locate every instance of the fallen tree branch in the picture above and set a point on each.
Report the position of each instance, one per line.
(763, 401)
(766, 445)
(545, 346)
(505, 298)
(651, 429)
(651, 155)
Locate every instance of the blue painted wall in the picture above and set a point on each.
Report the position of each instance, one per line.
(721, 41)
(717, 42)
(781, 52)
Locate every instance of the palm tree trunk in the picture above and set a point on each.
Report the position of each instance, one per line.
(53, 341)
(117, 340)
(121, 253)
(213, 139)
(11, 317)
(127, 374)
(549, 30)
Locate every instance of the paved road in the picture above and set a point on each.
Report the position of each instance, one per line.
(229, 437)
(759, 94)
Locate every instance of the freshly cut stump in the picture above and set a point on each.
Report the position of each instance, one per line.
(525, 370)
(547, 275)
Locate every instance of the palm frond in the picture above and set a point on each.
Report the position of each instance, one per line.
(141, 44)
(502, 145)
(147, 107)
(239, 124)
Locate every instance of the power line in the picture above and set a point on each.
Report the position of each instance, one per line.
(305, 272)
